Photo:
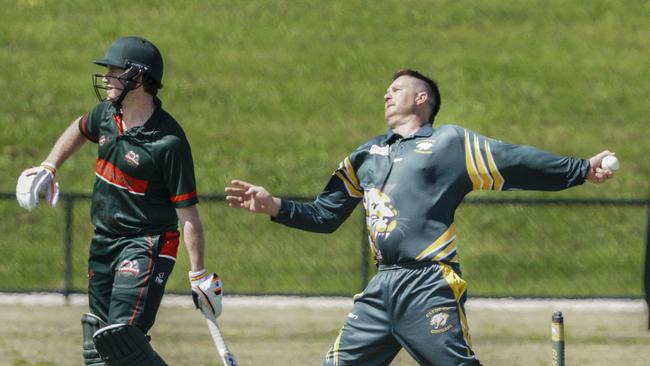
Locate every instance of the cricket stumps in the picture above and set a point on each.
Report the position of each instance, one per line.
(557, 338)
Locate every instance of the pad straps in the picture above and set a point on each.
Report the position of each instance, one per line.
(125, 345)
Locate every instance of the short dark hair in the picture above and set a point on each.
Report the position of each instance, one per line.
(432, 89)
(151, 85)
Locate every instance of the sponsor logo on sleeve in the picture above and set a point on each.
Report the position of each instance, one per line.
(160, 278)
(353, 316)
(379, 150)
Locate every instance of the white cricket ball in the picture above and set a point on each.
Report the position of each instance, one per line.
(610, 163)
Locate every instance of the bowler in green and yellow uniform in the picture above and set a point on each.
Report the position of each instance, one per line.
(410, 182)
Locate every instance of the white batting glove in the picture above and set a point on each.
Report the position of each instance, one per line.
(34, 181)
(206, 293)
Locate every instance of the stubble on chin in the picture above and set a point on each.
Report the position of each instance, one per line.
(391, 121)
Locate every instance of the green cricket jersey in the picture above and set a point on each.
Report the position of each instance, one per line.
(143, 173)
(411, 188)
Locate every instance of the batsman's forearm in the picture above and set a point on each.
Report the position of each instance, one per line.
(195, 244)
(192, 230)
(68, 143)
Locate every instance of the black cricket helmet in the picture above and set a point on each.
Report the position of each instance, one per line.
(138, 57)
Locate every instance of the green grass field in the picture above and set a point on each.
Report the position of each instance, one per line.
(258, 335)
(279, 92)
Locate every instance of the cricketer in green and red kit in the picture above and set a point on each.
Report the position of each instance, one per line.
(143, 175)
(410, 188)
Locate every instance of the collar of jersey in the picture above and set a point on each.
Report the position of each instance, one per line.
(149, 128)
(425, 130)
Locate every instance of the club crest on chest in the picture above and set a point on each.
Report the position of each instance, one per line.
(424, 146)
(132, 158)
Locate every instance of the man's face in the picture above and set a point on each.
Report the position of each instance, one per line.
(114, 86)
(399, 100)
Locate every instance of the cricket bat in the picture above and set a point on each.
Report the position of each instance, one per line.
(226, 356)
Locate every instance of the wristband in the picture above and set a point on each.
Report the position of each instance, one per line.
(195, 276)
(49, 166)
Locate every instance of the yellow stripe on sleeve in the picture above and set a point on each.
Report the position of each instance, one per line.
(480, 163)
(350, 172)
(494, 170)
(469, 163)
(352, 190)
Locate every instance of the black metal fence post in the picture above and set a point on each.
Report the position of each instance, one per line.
(68, 200)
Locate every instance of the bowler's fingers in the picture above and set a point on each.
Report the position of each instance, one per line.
(237, 201)
(253, 191)
(596, 174)
(235, 191)
(604, 153)
(240, 184)
(606, 174)
(601, 175)
(598, 158)
(244, 192)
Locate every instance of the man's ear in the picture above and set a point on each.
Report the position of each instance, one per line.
(421, 98)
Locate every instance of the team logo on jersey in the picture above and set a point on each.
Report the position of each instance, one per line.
(381, 218)
(439, 320)
(129, 268)
(381, 214)
(132, 158)
(103, 140)
(424, 147)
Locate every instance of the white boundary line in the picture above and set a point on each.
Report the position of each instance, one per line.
(287, 302)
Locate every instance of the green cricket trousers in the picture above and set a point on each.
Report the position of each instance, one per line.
(127, 276)
(419, 307)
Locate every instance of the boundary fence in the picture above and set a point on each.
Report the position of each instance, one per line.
(68, 200)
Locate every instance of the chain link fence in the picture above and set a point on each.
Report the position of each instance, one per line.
(519, 247)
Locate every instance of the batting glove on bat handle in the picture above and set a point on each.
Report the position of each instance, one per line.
(206, 293)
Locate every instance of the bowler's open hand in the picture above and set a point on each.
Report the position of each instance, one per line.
(252, 198)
